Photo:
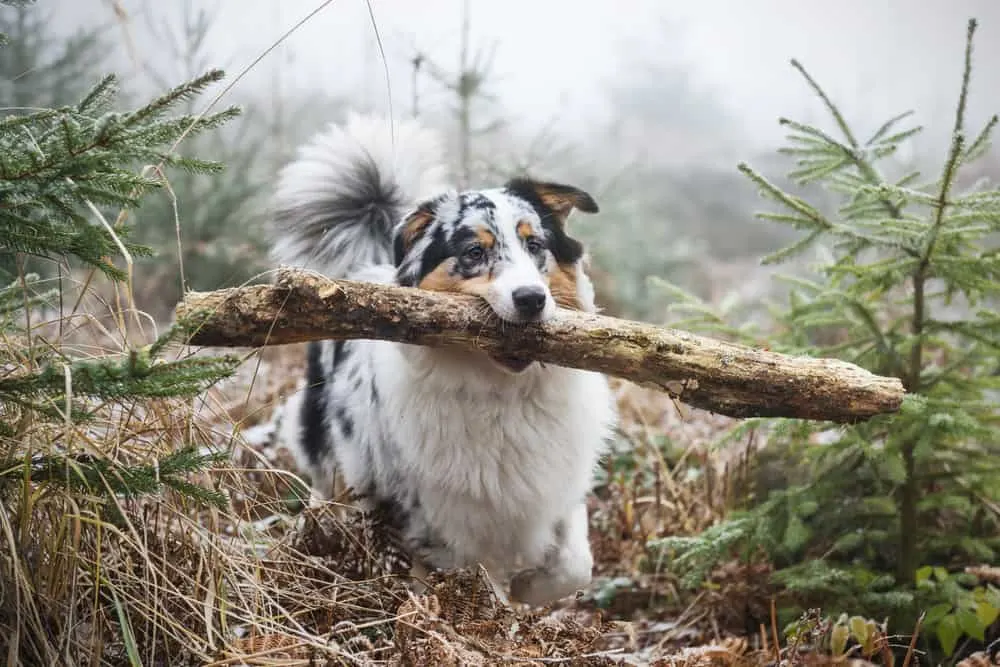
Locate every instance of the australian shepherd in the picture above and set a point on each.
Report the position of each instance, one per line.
(477, 459)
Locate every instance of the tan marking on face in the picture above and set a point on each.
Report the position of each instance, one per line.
(486, 237)
(562, 284)
(441, 279)
(525, 230)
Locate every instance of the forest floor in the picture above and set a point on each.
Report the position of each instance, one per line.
(263, 578)
(326, 573)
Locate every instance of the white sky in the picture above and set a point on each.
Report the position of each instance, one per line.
(877, 57)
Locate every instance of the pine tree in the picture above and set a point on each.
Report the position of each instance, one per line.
(85, 436)
(60, 171)
(38, 69)
(877, 520)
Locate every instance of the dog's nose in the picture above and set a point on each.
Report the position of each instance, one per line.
(529, 301)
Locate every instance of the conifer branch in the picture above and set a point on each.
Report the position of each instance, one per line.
(905, 480)
(106, 477)
(888, 125)
(723, 377)
(981, 143)
(55, 163)
(831, 107)
(852, 152)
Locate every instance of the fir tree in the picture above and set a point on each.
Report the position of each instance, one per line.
(877, 520)
(91, 438)
(39, 69)
(60, 171)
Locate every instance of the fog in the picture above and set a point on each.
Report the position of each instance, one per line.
(557, 59)
(650, 104)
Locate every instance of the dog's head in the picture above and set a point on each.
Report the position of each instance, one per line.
(507, 245)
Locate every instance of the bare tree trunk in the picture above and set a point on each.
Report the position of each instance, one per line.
(723, 377)
(466, 91)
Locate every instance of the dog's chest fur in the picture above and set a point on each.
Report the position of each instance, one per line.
(479, 463)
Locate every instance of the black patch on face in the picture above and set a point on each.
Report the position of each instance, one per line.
(445, 241)
(436, 252)
(462, 240)
(443, 247)
(473, 200)
(566, 250)
(313, 415)
(538, 254)
(399, 246)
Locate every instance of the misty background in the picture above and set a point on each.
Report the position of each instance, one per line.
(648, 105)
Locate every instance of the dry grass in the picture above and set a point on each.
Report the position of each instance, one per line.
(265, 581)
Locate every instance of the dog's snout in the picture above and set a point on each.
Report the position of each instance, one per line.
(529, 301)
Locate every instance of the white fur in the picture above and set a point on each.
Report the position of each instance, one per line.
(519, 271)
(494, 466)
(409, 157)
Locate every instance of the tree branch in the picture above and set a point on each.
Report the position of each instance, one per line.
(723, 377)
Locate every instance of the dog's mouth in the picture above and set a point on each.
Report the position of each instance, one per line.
(513, 364)
(510, 362)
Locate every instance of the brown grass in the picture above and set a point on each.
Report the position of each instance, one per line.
(264, 581)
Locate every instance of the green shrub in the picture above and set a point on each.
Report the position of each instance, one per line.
(907, 285)
(80, 417)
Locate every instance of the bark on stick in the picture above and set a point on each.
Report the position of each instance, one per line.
(722, 377)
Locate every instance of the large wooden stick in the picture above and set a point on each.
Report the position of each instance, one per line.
(723, 377)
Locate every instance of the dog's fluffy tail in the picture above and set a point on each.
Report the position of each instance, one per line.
(337, 203)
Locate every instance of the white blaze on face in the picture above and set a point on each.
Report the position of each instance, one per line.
(516, 272)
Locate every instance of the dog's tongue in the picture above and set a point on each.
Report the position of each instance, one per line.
(511, 363)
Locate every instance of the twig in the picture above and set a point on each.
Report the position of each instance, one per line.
(913, 641)
(774, 633)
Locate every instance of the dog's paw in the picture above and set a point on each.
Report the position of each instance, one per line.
(539, 587)
(525, 587)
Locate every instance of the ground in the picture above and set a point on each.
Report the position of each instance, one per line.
(349, 608)
(261, 578)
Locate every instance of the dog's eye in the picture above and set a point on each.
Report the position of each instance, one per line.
(534, 246)
(473, 253)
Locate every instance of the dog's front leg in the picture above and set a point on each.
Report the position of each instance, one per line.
(567, 567)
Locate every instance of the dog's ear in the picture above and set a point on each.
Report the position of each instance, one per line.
(410, 229)
(555, 197)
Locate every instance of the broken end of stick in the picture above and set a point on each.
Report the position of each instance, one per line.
(839, 393)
